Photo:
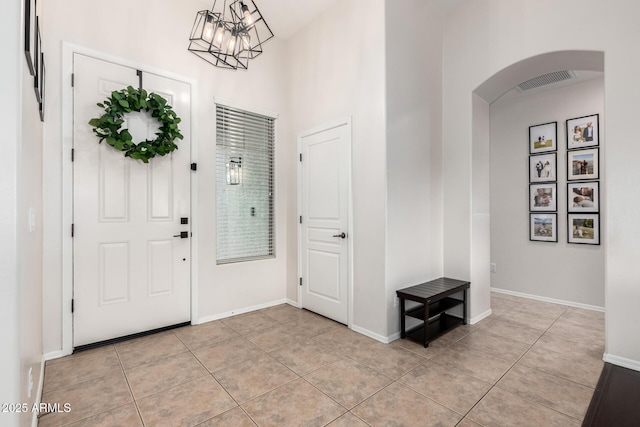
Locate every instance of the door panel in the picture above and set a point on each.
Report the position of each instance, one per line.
(114, 280)
(130, 273)
(114, 188)
(324, 275)
(324, 202)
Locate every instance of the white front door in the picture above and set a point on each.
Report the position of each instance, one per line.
(130, 273)
(324, 194)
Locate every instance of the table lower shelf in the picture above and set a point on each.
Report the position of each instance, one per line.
(435, 308)
(435, 328)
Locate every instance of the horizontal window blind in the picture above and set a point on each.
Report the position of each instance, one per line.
(244, 180)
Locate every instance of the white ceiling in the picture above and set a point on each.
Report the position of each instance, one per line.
(286, 17)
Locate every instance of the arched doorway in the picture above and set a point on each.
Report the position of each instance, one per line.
(483, 162)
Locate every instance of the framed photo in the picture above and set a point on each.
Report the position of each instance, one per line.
(583, 132)
(36, 64)
(543, 197)
(542, 168)
(583, 229)
(582, 164)
(543, 227)
(583, 196)
(543, 138)
(29, 34)
(42, 81)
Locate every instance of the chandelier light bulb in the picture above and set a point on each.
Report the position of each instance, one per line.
(219, 34)
(208, 31)
(248, 19)
(232, 43)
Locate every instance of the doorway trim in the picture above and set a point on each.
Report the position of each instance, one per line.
(68, 50)
(330, 125)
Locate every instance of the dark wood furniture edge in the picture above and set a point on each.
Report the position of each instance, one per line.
(596, 400)
(615, 402)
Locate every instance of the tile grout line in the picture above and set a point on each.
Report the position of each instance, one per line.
(266, 353)
(514, 364)
(238, 405)
(546, 373)
(126, 378)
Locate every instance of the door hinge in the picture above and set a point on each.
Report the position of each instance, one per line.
(194, 166)
(300, 156)
(73, 229)
(139, 74)
(301, 281)
(300, 219)
(73, 154)
(73, 80)
(73, 305)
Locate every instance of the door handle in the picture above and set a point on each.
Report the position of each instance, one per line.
(183, 235)
(342, 235)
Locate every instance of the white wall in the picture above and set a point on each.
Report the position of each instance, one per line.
(30, 245)
(479, 299)
(482, 37)
(20, 249)
(336, 70)
(413, 146)
(154, 33)
(11, 113)
(560, 270)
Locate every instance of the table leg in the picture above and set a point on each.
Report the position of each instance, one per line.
(402, 320)
(426, 325)
(464, 306)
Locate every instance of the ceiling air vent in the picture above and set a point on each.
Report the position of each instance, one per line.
(546, 79)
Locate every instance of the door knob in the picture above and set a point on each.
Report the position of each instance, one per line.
(182, 235)
(342, 235)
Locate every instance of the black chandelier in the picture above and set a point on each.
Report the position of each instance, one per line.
(228, 37)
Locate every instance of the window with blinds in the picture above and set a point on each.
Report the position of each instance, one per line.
(244, 180)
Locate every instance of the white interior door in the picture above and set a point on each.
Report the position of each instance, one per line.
(324, 193)
(130, 273)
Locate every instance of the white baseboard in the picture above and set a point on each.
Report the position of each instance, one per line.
(393, 337)
(219, 316)
(377, 337)
(545, 299)
(293, 303)
(34, 416)
(53, 355)
(621, 361)
(479, 317)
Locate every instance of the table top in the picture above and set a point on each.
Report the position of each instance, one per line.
(434, 290)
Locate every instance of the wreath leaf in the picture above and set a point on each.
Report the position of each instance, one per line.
(108, 125)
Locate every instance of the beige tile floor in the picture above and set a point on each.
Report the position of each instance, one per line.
(530, 363)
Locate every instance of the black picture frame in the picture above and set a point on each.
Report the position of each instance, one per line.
(543, 197)
(583, 165)
(543, 227)
(29, 34)
(543, 168)
(577, 130)
(583, 196)
(543, 138)
(42, 86)
(583, 228)
(38, 55)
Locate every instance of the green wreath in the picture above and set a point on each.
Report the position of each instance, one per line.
(107, 126)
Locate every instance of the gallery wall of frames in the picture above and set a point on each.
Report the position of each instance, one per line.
(33, 51)
(583, 181)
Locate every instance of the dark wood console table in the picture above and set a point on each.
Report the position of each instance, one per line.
(434, 298)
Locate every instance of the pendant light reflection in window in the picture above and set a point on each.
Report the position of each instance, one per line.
(234, 171)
